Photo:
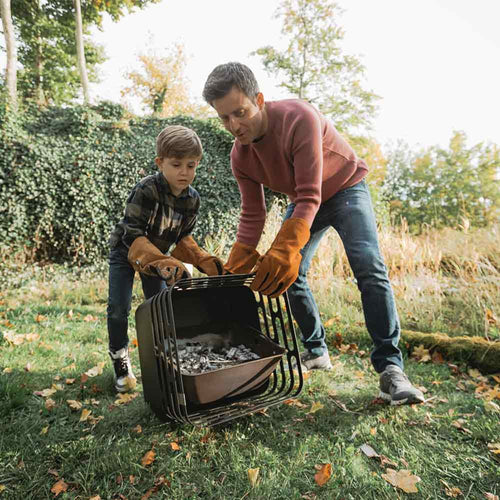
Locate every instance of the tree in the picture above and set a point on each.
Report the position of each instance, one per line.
(80, 52)
(162, 86)
(10, 45)
(440, 187)
(312, 66)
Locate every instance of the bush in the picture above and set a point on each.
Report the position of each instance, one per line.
(65, 174)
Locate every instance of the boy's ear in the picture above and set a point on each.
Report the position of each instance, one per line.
(158, 161)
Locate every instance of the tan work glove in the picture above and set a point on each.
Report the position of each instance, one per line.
(188, 251)
(242, 259)
(279, 267)
(148, 259)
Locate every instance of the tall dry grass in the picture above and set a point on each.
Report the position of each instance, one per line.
(446, 280)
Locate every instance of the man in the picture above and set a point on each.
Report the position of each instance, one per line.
(290, 147)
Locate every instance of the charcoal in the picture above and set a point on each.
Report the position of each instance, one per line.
(197, 357)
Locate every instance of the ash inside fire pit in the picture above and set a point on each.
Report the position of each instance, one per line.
(210, 352)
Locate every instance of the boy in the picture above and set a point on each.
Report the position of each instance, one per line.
(161, 210)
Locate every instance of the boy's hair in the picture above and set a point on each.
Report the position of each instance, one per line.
(176, 141)
(226, 76)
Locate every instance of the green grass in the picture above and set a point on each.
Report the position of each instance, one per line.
(102, 457)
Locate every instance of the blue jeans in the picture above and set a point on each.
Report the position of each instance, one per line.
(350, 212)
(121, 282)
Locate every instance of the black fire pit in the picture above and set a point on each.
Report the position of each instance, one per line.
(220, 310)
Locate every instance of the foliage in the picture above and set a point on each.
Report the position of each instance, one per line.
(65, 174)
(162, 86)
(442, 187)
(313, 67)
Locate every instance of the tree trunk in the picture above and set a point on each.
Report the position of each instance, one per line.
(10, 43)
(80, 51)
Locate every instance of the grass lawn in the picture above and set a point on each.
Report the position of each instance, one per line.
(67, 435)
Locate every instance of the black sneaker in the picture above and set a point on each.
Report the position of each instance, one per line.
(310, 361)
(396, 388)
(124, 376)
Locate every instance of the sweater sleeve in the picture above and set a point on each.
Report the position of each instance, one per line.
(305, 140)
(253, 207)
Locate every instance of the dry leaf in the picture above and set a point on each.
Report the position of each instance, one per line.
(59, 487)
(95, 370)
(368, 451)
(315, 407)
(175, 446)
(85, 415)
(295, 402)
(137, 429)
(89, 318)
(45, 393)
(490, 496)
(44, 430)
(402, 479)
(125, 397)
(27, 367)
(421, 354)
(373, 431)
(148, 458)
(74, 405)
(40, 317)
(70, 381)
(494, 448)
(97, 497)
(8, 369)
(323, 475)
(253, 476)
(50, 404)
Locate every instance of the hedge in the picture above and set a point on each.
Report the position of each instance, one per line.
(65, 174)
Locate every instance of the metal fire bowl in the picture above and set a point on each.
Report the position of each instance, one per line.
(237, 379)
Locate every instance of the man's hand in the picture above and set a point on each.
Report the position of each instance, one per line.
(279, 267)
(242, 259)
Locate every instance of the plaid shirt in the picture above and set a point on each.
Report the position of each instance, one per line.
(153, 211)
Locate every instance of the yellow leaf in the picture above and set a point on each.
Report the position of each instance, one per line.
(175, 446)
(74, 405)
(474, 373)
(125, 397)
(2, 488)
(85, 415)
(315, 407)
(323, 475)
(494, 448)
(45, 393)
(40, 317)
(59, 487)
(70, 381)
(148, 458)
(373, 431)
(421, 354)
(253, 476)
(89, 318)
(7, 370)
(95, 370)
(44, 430)
(97, 497)
(137, 429)
(402, 479)
(50, 404)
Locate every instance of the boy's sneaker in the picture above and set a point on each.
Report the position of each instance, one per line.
(124, 377)
(396, 388)
(310, 361)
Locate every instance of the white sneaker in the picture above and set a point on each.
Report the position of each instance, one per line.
(124, 376)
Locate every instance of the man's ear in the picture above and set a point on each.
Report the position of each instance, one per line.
(260, 100)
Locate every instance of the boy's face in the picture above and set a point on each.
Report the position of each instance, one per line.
(179, 172)
(244, 118)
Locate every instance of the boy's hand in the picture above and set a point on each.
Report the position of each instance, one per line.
(171, 270)
(188, 251)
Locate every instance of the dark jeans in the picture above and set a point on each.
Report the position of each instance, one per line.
(121, 281)
(350, 212)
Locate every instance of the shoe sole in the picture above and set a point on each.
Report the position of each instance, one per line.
(398, 402)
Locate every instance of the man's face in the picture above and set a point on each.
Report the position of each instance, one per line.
(179, 172)
(245, 119)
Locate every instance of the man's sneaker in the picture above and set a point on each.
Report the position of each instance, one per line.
(396, 388)
(309, 361)
(124, 377)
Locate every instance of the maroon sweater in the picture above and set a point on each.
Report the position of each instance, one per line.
(301, 155)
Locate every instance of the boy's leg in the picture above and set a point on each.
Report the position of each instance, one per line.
(353, 217)
(151, 285)
(304, 308)
(121, 280)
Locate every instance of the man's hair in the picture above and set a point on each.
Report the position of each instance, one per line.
(176, 141)
(226, 76)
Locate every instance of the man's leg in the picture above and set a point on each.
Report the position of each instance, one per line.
(352, 215)
(121, 280)
(304, 307)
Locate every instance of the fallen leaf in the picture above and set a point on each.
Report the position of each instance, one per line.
(315, 407)
(323, 475)
(8, 369)
(373, 431)
(40, 317)
(137, 429)
(295, 402)
(59, 487)
(44, 430)
(27, 367)
(253, 476)
(125, 397)
(368, 451)
(70, 381)
(45, 393)
(85, 415)
(2, 488)
(437, 358)
(134, 342)
(95, 370)
(148, 458)
(490, 496)
(50, 404)
(494, 448)
(459, 425)
(175, 446)
(421, 354)
(402, 479)
(89, 318)
(74, 405)
(97, 497)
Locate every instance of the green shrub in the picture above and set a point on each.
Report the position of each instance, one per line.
(65, 174)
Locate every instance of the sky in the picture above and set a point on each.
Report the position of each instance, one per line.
(435, 63)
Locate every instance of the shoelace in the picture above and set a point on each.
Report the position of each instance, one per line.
(121, 367)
